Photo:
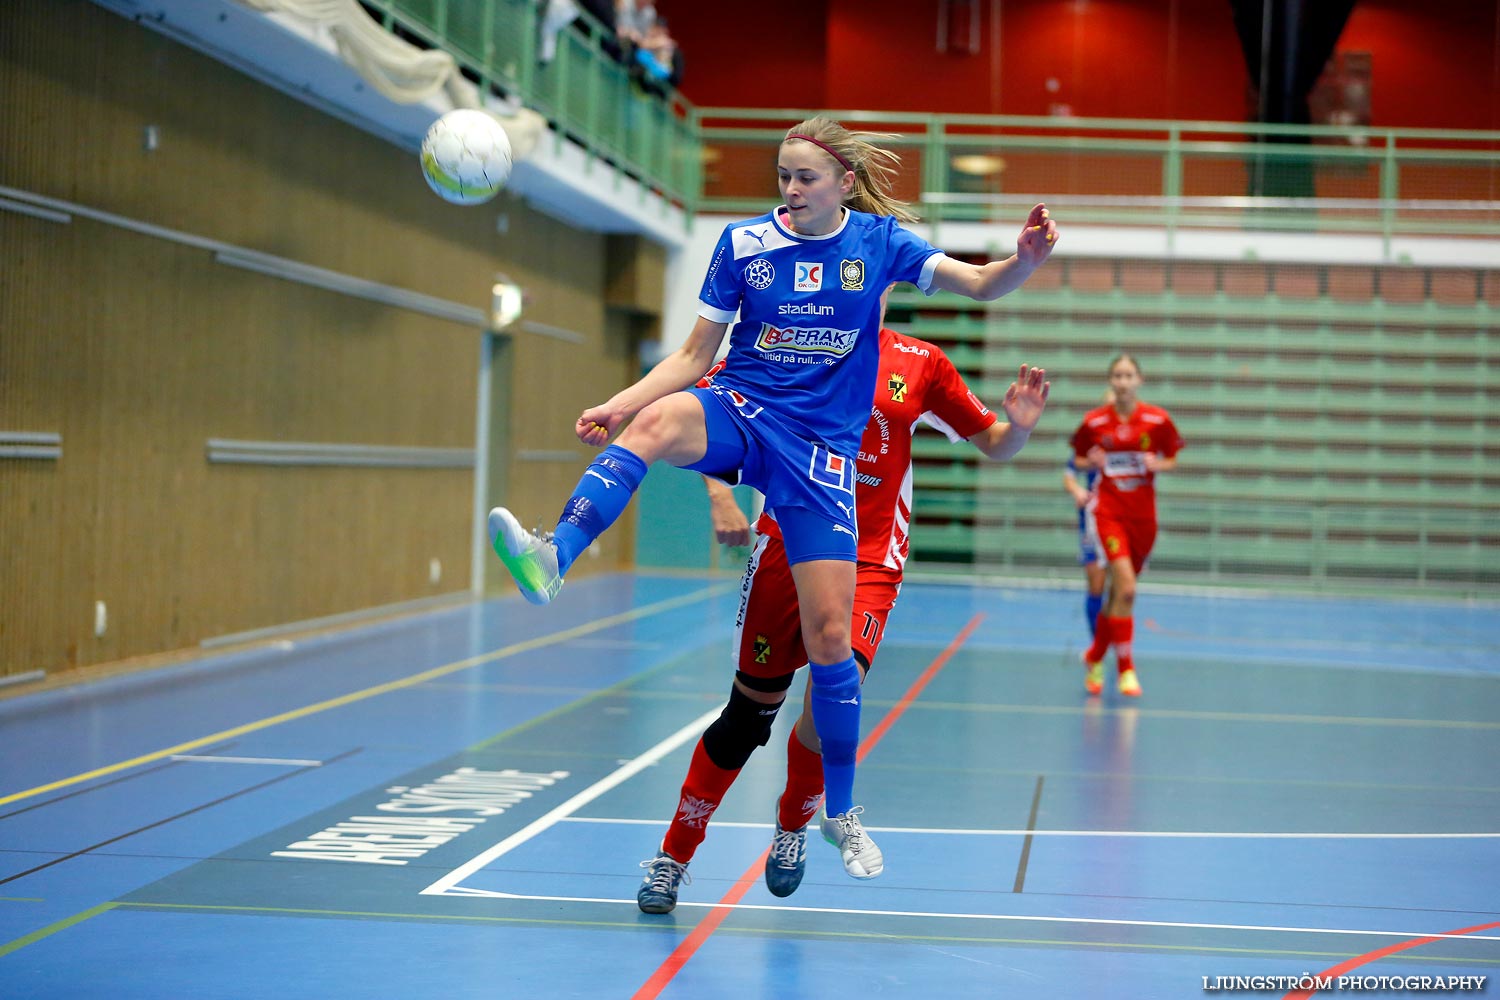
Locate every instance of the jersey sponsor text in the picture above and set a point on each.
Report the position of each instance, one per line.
(806, 340)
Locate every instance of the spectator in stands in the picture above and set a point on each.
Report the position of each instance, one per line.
(1129, 442)
(660, 59)
(603, 11)
(555, 16)
(633, 19)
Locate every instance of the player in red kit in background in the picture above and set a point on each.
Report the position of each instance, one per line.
(916, 383)
(1129, 442)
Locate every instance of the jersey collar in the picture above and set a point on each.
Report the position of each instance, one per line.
(776, 221)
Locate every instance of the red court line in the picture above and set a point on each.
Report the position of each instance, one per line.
(690, 944)
(1358, 960)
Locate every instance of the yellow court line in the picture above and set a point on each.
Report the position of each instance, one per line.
(51, 929)
(379, 689)
(918, 939)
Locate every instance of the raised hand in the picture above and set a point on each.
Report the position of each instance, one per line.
(1026, 398)
(1037, 238)
(731, 527)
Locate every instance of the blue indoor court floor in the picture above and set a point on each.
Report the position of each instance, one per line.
(455, 804)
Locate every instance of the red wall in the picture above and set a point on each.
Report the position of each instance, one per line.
(755, 55)
(1436, 62)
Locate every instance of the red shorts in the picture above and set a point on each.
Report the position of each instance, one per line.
(1129, 539)
(768, 628)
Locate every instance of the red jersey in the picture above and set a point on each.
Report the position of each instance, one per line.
(1126, 489)
(916, 383)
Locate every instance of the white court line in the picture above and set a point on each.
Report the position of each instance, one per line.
(589, 794)
(1203, 834)
(449, 886)
(248, 760)
(1014, 917)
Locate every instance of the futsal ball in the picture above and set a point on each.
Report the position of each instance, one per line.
(466, 157)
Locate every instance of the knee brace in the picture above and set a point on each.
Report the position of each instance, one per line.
(743, 725)
(765, 685)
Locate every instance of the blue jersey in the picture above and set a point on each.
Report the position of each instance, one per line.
(807, 343)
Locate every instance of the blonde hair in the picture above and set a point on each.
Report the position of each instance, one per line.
(874, 168)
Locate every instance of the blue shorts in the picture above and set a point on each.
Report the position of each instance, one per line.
(1089, 549)
(810, 489)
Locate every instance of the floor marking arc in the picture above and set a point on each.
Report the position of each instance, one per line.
(1358, 960)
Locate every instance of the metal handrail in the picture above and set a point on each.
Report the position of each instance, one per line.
(1376, 178)
(663, 141)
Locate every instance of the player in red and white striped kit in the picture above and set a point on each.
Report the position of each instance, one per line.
(916, 383)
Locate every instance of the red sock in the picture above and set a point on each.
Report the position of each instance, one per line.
(702, 792)
(1100, 647)
(1121, 631)
(804, 785)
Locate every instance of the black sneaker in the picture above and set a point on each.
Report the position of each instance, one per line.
(787, 861)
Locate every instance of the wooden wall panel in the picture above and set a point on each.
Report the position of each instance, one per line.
(139, 349)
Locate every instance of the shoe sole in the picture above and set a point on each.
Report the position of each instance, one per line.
(655, 907)
(1088, 686)
(780, 892)
(872, 874)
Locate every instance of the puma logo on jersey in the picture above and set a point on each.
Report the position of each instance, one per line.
(759, 237)
(840, 527)
(848, 510)
(608, 483)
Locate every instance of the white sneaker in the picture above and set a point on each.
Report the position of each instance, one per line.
(862, 859)
(531, 559)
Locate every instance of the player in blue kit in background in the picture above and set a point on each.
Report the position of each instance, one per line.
(786, 418)
(1090, 552)
(1090, 556)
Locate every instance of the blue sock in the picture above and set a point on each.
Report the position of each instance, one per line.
(600, 497)
(1092, 604)
(835, 709)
